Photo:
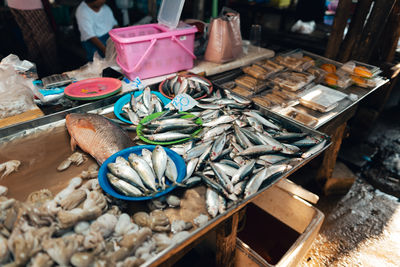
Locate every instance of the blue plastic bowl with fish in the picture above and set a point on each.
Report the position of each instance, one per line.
(126, 98)
(109, 189)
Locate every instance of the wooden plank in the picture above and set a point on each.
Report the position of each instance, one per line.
(386, 50)
(25, 116)
(372, 30)
(226, 242)
(330, 155)
(355, 30)
(339, 24)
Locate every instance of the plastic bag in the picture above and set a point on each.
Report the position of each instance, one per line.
(95, 68)
(16, 90)
(225, 39)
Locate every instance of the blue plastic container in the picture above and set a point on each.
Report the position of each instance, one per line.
(105, 184)
(126, 98)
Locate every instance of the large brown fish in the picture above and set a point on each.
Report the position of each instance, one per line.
(96, 135)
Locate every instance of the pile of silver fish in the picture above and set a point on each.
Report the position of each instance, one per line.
(189, 84)
(141, 106)
(143, 175)
(170, 126)
(239, 150)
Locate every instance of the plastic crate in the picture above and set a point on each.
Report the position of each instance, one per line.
(152, 50)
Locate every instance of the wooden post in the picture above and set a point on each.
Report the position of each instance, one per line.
(355, 30)
(387, 48)
(373, 30)
(339, 24)
(226, 242)
(330, 155)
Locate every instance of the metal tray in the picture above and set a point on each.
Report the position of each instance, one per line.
(38, 132)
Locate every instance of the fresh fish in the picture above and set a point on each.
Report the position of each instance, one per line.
(255, 182)
(287, 136)
(307, 142)
(168, 136)
(203, 158)
(171, 171)
(191, 181)
(125, 172)
(269, 140)
(144, 170)
(220, 120)
(216, 131)
(216, 186)
(147, 97)
(147, 156)
(239, 188)
(197, 151)
(262, 120)
(222, 178)
(133, 103)
(243, 172)
(258, 150)
(229, 163)
(159, 159)
(123, 187)
(198, 80)
(239, 99)
(212, 202)
(255, 124)
(221, 204)
(241, 138)
(190, 167)
(122, 160)
(96, 135)
(218, 146)
(289, 149)
(230, 171)
(272, 158)
(313, 150)
(210, 106)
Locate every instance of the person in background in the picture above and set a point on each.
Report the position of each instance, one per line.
(38, 33)
(95, 19)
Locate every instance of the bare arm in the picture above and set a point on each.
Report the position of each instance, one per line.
(96, 41)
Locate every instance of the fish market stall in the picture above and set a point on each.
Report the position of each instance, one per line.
(59, 196)
(308, 89)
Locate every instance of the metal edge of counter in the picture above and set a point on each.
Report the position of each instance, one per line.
(15, 129)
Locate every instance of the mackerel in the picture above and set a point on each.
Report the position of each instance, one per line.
(145, 172)
(123, 187)
(159, 161)
(126, 173)
(218, 146)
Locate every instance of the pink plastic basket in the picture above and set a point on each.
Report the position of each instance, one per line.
(152, 50)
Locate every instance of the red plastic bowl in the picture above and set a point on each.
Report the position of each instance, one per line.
(185, 75)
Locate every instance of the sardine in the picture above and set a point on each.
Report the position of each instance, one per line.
(218, 146)
(255, 182)
(243, 172)
(313, 150)
(262, 120)
(171, 171)
(222, 178)
(212, 202)
(258, 150)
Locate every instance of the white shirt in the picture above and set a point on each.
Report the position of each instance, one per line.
(94, 24)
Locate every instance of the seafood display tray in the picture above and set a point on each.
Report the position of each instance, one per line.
(57, 148)
(358, 93)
